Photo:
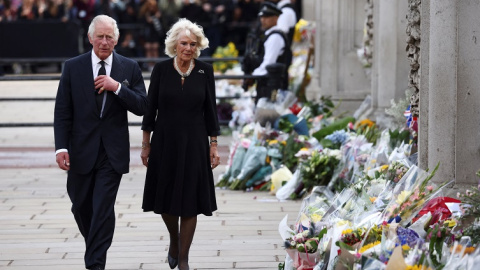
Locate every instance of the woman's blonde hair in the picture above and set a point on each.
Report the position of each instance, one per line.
(185, 25)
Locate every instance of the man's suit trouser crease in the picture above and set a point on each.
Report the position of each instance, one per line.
(93, 199)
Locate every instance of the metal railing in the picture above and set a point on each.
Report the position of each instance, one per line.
(40, 77)
(140, 60)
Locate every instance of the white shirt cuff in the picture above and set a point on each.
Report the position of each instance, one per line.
(61, 151)
(118, 89)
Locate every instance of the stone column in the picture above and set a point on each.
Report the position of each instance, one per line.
(313, 89)
(424, 85)
(390, 64)
(467, 132)
(442, 88)
(338, 71)
(450, 94)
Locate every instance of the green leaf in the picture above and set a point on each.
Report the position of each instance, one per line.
(322, 233)
(329, 103)
(344, 246)
(439, 247)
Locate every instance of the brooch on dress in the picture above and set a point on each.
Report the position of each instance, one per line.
(201, 71)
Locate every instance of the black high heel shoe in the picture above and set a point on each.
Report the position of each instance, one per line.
(172, 262)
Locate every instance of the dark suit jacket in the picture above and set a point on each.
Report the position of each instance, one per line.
(77, 124)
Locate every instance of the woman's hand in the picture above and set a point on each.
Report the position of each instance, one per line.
(214, 158)
(145, 153)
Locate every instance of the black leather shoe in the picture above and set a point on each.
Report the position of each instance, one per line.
(172, 262)
(97, 267)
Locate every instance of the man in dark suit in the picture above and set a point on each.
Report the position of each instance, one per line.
(95, 93)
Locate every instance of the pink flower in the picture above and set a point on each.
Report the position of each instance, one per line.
(429, 188)
(245, 143)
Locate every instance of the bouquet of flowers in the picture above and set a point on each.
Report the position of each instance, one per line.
(354, 152)
(225, 52)
(303, 248)
(396, 170)
(471, 217)
(409, 201)
(318, 169)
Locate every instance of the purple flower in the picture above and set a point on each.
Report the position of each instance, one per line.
(407, 236)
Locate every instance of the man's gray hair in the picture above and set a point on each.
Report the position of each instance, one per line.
(107, 20)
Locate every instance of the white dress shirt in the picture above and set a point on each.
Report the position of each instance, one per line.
(288, 18)
(95, 67)
(273, 47)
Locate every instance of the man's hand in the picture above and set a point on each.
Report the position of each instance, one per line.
(63, 161)
(105, 83)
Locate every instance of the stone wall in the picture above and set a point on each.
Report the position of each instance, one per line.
(338, 71)
(450, 90)
(390, 64)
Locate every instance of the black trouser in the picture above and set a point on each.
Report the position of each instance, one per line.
(93, 198)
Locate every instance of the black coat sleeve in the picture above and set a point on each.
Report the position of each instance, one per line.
(148, 123)
(211, 118)
(63, 112)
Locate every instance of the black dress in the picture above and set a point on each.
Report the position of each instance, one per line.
(179, 178)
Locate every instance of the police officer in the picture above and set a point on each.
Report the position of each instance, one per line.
(288, 19)
(275, 50)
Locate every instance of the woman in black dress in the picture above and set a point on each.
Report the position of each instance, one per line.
(179, 157)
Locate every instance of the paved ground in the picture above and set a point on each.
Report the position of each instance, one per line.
(37, 230)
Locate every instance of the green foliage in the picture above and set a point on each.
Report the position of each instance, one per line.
(337, 125)
(344, 246)
(223, 182)
(266, 187)
(238, 184)
(326, 143)
(292, 146)
(318, 170)
(397, 137)
(474, 233)
(322, 233)
(325, 107)
(397, 109)
(285, 125)
(437, 235)
(371, 133)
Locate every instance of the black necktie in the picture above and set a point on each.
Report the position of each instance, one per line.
(99, 97)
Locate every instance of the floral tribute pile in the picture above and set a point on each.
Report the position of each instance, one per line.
(365, 202)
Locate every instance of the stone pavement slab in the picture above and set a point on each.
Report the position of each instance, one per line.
(37, 229)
